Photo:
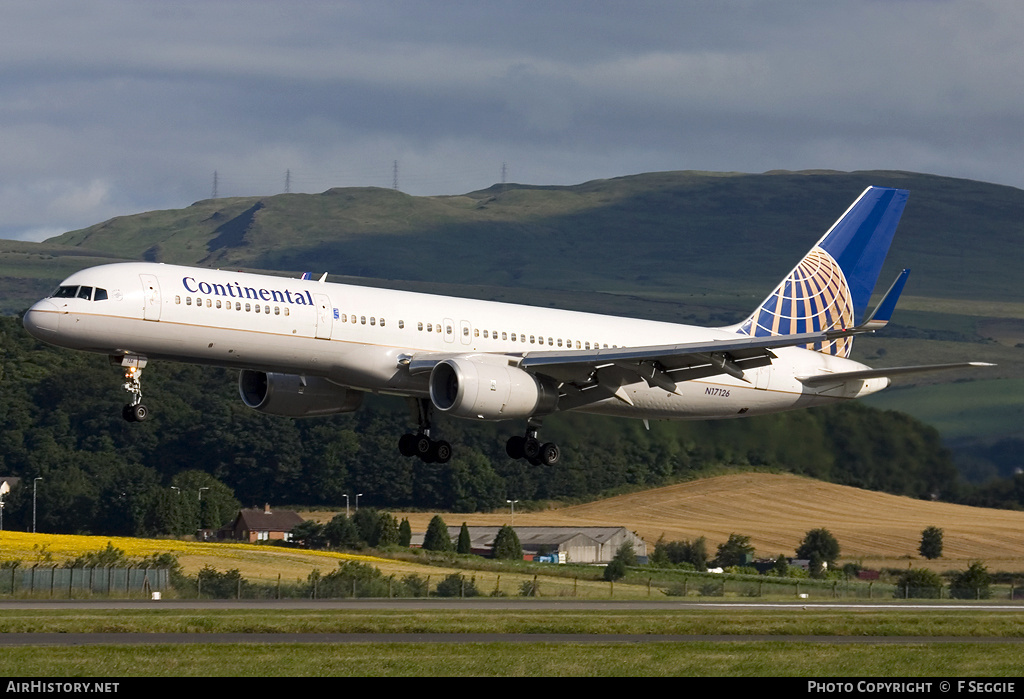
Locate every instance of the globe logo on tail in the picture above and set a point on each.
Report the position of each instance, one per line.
(815, 296)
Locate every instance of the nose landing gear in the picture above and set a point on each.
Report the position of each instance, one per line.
(133, 365)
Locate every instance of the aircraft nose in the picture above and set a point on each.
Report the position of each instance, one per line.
(42, 320)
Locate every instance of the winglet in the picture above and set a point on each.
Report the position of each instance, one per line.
(880, 317)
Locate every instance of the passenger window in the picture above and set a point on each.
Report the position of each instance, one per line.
(177, 300)
(362, 320)
(277, 310)
(344, 317)
(382, 322)
(238, 305)
(430, 327)
(448, 329)
(248, 307)
(401, 325)
(559, 342)
(485, 334)
(505, 336)
(286, 311)
(419, 326)
(588, 345)
(257, 308)
(513, 337)
(373, 321)
(209, 303)
(188, 300)
(465, 332)
(533, 340)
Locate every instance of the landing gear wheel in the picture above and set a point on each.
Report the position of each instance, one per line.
(549, 454)
(531, 448)
(423, 445)
(134, 413)
(441, 452)
(407, 445)
(514, 447)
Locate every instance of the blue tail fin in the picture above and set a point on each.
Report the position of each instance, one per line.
(831, 286)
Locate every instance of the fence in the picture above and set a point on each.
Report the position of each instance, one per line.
(65, 582)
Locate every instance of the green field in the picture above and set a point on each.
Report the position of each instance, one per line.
(739, 658)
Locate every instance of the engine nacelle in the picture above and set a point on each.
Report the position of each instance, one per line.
(482, 391)
(289, 395)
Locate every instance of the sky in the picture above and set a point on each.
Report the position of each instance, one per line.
(113, 107)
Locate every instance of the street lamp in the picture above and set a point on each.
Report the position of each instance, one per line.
(346, 504)
(34, 482)
(357, 501)
(513, 504)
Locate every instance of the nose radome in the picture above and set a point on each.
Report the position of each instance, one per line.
(42, 320)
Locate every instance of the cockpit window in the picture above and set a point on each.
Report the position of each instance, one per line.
(66, 292)
(81, 292)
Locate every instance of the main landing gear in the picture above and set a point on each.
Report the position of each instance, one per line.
(420, 444)
(532, 449)
(134, 411)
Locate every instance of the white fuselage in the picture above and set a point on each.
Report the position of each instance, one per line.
(358, 337)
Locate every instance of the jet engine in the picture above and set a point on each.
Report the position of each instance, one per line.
(290, 395)
(482, 391)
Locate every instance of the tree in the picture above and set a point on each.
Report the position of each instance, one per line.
(918, 583)
(341, 532)
(456, 585)
(404, 533)
(385, 533)
(820, 542)
(436, 537)
(972, 583)
(931, 543)
(734, 552)
(615, 570)
(626, 553)
(310, 534)
(506, 544)
(465, 543)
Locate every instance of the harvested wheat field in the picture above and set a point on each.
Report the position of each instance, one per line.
(775, 511)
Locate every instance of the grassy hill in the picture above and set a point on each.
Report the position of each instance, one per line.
(777, 510)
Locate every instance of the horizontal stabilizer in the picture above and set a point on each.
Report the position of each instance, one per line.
(880, 373)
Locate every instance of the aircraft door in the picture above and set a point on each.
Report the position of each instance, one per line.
(324, 316)
(151, 297)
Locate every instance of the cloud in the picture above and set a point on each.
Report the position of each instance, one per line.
(119, 107)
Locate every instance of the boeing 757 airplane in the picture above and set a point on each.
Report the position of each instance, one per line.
(308, 347)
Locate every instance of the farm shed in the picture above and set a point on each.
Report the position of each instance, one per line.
(573, 544)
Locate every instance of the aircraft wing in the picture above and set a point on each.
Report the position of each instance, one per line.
(580, 371)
